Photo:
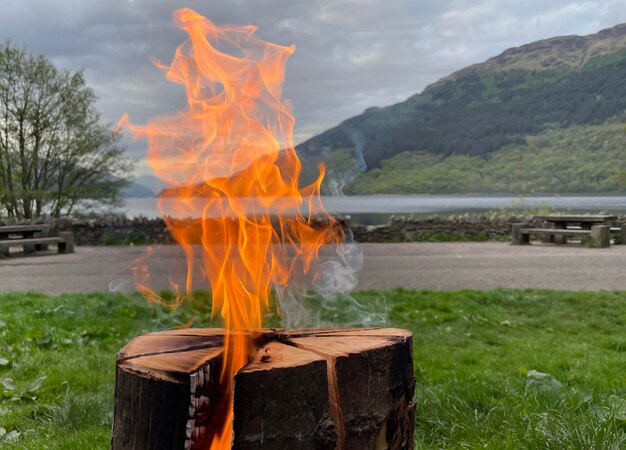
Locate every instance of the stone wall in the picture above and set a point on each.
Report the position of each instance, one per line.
(109, 230)
(119, 230)
(477, 227)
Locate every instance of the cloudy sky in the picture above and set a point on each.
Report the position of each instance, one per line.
(350, 54)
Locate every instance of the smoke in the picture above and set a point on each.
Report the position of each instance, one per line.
(335, 279)
(324, 299)
(335, 186)
(357, 138)
(338, 176)
(121, 285)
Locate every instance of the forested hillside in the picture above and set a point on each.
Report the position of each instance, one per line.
(576, 159)
(552, 106)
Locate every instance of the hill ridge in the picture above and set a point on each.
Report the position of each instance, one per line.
(573, 51)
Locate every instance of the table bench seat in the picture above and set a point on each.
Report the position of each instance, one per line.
(555, 231)
(599, 235)
(64, 242)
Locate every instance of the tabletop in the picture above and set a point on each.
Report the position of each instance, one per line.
(22, 228)
(594, 218)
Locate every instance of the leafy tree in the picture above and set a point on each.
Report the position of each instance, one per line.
(55, 156)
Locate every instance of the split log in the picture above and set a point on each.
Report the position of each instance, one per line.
(335, 389)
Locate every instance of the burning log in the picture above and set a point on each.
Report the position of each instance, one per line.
(330, 389)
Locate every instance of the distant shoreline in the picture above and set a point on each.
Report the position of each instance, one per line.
(432, 204)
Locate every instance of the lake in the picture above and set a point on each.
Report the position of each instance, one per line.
(377, 208)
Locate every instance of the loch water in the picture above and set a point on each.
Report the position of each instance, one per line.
(372, 209)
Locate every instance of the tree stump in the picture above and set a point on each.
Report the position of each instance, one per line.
(335, 389)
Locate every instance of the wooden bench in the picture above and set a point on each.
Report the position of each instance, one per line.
(33, 238)
(599, 235)
(618, 233)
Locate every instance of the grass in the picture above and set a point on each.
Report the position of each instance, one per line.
(498, 369)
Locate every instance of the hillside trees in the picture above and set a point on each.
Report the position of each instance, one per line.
(54, 154)
(580, 159)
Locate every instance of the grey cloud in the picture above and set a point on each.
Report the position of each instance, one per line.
(350, 54)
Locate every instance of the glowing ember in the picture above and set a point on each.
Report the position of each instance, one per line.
(230, 159)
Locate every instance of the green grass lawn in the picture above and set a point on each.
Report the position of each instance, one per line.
(496, 369)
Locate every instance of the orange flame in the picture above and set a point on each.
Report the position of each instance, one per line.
(231, 161)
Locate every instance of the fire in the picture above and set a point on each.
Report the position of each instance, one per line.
(230, 159)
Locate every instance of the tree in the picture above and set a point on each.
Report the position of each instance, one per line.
(55, 156)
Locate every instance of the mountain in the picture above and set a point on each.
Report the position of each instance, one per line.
(136, 190)
(152, 183)
(144, 186)
(544, 92)
(563, 52)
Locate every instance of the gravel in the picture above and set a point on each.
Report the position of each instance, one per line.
(436, 266)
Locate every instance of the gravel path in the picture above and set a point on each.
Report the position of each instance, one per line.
(437, 266)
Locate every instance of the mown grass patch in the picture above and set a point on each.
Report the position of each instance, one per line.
(496, 369)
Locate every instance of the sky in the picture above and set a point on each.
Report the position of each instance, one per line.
(350, 54)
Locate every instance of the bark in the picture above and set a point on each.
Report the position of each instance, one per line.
(305, 389)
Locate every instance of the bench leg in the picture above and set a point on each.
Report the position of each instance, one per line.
(547, 238)
(4, 251)
(517, 236)
(29, 248)
(67, 244)
(621, 237)
(600, 236)
(41, 247)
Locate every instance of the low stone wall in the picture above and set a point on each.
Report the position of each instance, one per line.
(109, 230)
(119, 230)
(457, 227)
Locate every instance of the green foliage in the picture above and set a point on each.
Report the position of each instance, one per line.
(109, 239)
(520, 206)
(495, 369)
(602, 61)
(340, 166)
(576, 159)
(55, 156)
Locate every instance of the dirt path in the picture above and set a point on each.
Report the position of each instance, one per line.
(438, 266)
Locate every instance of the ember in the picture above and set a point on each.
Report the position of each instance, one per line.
(229, 156)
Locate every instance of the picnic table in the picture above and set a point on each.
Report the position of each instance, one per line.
(33, 238)
(557, 228)
(584, 221)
